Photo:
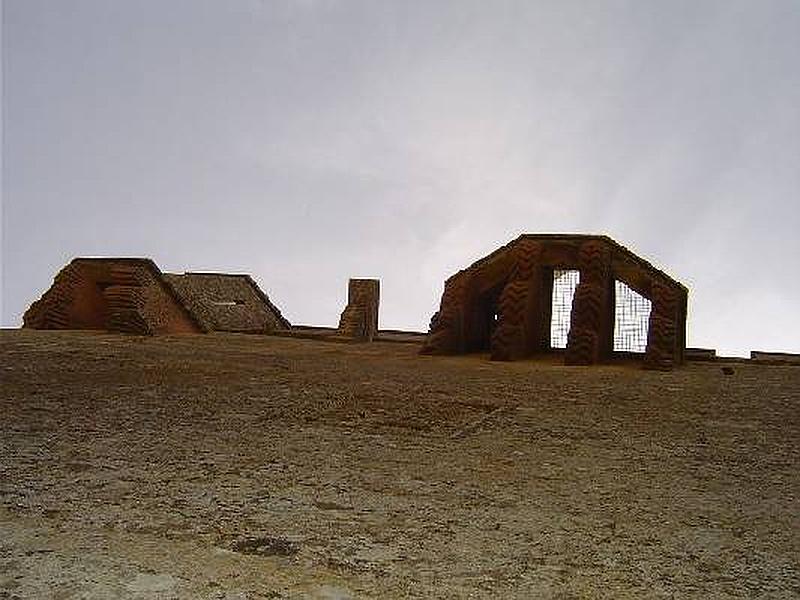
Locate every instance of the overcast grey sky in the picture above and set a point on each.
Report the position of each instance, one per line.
(305, 142)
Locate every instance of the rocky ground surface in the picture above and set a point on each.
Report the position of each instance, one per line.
(235, 467)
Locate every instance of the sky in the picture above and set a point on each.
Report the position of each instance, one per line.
(309, 141)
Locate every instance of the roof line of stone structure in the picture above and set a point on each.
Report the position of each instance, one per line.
(284, 321)
(150, 264)
(578, 236)
(644, 263)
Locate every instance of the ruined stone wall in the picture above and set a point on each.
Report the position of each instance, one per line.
(53, 309)
(118, 295)
(164, 312)
(447, 327)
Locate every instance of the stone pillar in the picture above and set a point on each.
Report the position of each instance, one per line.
(590, 326)
(519, 316)
(52, 310)
(360, 317)
(664, 345)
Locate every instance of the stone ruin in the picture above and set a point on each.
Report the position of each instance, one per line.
(583, 296)
(132, 295)
(227, 302)
(360, 317)
(505, 304)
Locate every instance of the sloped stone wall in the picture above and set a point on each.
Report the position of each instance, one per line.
(226, 302)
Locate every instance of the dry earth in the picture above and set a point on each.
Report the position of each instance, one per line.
(227, 466)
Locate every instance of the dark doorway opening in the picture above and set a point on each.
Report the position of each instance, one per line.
(484, 319)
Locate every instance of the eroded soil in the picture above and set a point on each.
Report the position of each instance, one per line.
(227, 466)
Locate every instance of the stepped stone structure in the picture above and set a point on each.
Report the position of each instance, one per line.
(503, 303)
(132, 295)
(360, 317)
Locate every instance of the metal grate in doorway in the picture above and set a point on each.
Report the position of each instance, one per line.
(631, 319)
(564, 284)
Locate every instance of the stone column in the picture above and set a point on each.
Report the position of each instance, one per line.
(590, 328)
(663, 350)
(360, 317)
(518, 327)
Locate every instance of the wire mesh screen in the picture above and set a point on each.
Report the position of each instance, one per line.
(631, 319)
(564, 284)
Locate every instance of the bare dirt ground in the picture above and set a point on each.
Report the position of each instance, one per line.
(227, 466)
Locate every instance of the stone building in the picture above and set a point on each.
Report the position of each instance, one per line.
(132, 295)
(584, 295)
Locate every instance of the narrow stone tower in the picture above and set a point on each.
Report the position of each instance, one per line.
(360, 317)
